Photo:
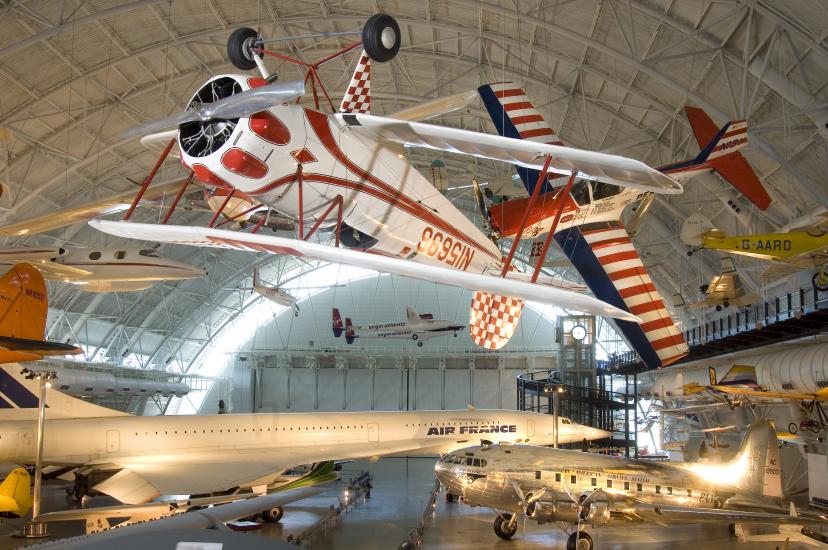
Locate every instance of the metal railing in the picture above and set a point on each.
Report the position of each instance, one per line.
(791, 305)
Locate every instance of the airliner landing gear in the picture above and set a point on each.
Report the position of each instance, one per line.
(273, 515)
(504, 527)
(419, 344)
(579, 540)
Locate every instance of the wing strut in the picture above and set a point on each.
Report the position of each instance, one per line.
(149, 178)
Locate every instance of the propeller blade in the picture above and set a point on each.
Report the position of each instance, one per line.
(436, 107)
(481, 202)
(236, 106)
(638, 216)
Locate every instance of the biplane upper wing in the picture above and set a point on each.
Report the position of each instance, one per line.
(217, 238)
(612, 169)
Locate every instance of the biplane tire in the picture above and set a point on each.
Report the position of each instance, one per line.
(820, 281)
(381, 37)
(793, 427)
(238, 48)
(718, 308)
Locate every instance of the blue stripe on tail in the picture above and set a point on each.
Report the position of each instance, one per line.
(16, 392)
(504, 126)
(579, 252)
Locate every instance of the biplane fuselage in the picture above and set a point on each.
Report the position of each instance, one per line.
(387, 205)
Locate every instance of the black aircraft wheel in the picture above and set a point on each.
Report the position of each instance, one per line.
(502, 528)
(727, 304)
(455, 335)
(579, 541)
(451, 497)
(793, 427)
(415, 337)
(718, 308)
(238, 48)
(820, 281)
(419, 344)
(816, 427)
(381, 37)
(273, 515)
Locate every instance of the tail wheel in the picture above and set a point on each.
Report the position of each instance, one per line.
(239, 47)
(381, 37)
(820, 280)
(579, 541)
(273, 515)
(503, 527)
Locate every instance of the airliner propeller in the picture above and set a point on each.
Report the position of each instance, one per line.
(237, 105)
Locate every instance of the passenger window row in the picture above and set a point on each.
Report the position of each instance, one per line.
(253, 430)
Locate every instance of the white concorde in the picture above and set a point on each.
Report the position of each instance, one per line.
(154, 455)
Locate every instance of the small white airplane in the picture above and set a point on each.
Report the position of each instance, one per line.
(102, 270)
(348, 171)
(416, 327)
(277, 294)
(138, 458)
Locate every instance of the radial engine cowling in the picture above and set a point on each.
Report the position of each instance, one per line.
(226, 151)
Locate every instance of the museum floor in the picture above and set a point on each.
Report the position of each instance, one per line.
(400, 493)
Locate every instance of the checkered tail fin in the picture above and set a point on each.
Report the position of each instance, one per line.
(493, 319)
(358, 95)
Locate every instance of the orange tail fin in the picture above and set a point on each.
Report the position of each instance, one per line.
(23, 303)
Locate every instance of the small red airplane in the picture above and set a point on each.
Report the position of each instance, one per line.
(588, 225)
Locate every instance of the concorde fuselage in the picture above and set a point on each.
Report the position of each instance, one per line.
(285, 439)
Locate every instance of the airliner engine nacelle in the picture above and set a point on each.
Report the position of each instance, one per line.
(544, 511)
(596, 513)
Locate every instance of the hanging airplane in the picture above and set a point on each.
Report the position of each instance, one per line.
(804, 247)
(24, 304)
(581, 489)
(138, 458)
(725, 290)
(277, 294)
(102, 270)
(249, 134)
(416, 327)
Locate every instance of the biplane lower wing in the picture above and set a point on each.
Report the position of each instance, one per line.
(217, 238)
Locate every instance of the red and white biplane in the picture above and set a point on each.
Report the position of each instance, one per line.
(585, 216)
(346, 171)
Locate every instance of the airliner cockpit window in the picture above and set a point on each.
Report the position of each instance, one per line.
(566, 421)
(580, 192)
(149, 252)
(602, 190)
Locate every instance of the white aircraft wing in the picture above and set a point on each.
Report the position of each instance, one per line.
(613, 169)
(99, 207)
(217, 238)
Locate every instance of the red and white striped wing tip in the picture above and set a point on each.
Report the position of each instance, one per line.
(219, 238)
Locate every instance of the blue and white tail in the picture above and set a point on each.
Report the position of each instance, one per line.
(19, 399)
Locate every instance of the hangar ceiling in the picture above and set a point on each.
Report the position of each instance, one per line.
(608, 75)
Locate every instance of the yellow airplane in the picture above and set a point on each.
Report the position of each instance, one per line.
(803, 247)
(740, 386)
(15, 494)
